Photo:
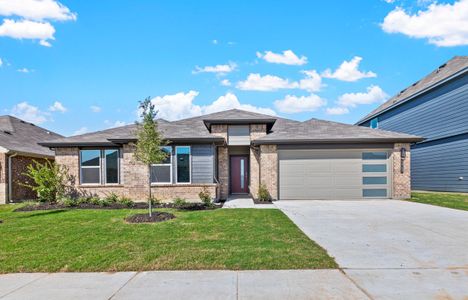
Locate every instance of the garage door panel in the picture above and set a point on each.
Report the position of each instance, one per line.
(322, 174)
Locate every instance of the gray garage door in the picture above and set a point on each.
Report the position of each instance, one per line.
(333, 174)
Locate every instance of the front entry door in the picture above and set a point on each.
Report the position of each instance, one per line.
(239, 175)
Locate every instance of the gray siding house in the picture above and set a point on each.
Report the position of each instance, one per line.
(435, 107)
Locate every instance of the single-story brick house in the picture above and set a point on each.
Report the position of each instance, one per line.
(18, 148)
(234, 151)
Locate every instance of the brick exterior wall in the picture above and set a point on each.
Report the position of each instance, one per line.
(3, 179)
(223, 160)
(256, 131)
(269, 168)
(19, 166)
(133, 178)
(401, 181)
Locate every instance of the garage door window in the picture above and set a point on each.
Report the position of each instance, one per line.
(374, 155)
(374, 192)
(374, 180)
(374, 168)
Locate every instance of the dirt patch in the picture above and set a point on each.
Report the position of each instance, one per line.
(145, 218)
(136, 205)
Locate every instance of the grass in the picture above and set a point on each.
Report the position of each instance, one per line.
(450, 200)
(100, 240)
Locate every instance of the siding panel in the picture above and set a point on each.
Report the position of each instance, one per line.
(202, 163)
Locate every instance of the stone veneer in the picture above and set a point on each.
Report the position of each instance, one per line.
(256, 131)
(3, 179)
(133, 177)
(223, 160)
(269, 168)
(401, 181)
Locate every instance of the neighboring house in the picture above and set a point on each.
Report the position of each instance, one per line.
(435, 107)
(232, 152)
(18, 149)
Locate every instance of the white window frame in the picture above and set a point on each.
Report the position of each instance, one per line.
(103, 153)
(190, 165)
(169, 164)
(90, 167)
(102, 167)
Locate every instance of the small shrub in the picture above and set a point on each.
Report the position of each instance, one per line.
(94, 201)
(125, 201)
(179, 201)
(68, 202)
(263, 193)
(112, 198)
(104, 202)
(83, 200)
(155, 201)
(49, 180)
(205, 196)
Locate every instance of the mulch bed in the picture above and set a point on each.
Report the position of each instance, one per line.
(137, 205)
(256, 201)
(145, 218)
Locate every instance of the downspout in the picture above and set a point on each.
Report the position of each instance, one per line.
(10, 185)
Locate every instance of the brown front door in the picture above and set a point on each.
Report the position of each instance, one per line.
(239, 175)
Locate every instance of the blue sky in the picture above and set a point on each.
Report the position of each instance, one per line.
(77, 66)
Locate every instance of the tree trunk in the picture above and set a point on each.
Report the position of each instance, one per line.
(150, 207)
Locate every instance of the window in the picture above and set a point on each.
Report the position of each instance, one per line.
(112, 165)
(374, 155)
(374, 192)
(374, 168)
(99, 166)
(183, 164)
(374, 123)
(162, 173)
(90, 166)
(374, 180)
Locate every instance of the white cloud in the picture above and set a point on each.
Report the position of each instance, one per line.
(373, 94)
(25, 70)
(225, 82)
(337, 110)
(114, 124)
(1, 62)
(58, 106)
(444, 25)
(82, 130)
(256, 82)
(180, 105)
(95, 108)
(312, 82)
(294, 104)
(215, 42)
(349, 71)
(287, 57)
(219, 69)
(25, 29)
(29, 113)
(36, 10)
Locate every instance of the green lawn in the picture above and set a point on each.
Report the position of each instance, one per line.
(100, 240)
(457, 201)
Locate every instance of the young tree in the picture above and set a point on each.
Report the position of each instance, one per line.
(149, 142)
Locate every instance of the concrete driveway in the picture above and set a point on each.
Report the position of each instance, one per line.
(391, 249)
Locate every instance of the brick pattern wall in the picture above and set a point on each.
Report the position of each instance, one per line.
(19, 165)
(3, 179)
(256, 131)
(223, 160)
(133, 179)
(269, 168)
(401, 181)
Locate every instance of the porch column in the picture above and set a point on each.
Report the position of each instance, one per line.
(269, 169)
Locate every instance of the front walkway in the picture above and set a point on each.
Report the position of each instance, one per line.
(244, 201)
(286, 284)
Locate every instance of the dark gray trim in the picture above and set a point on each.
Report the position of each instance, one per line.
(336, 146)
(268, 121)
(78, 144)
(367, 118)
(340, 141)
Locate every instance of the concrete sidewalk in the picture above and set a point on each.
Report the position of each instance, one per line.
(285, 284)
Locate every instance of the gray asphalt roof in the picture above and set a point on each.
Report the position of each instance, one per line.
(315, 130)
(458, 64)
(194, 129)
(20, 136)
